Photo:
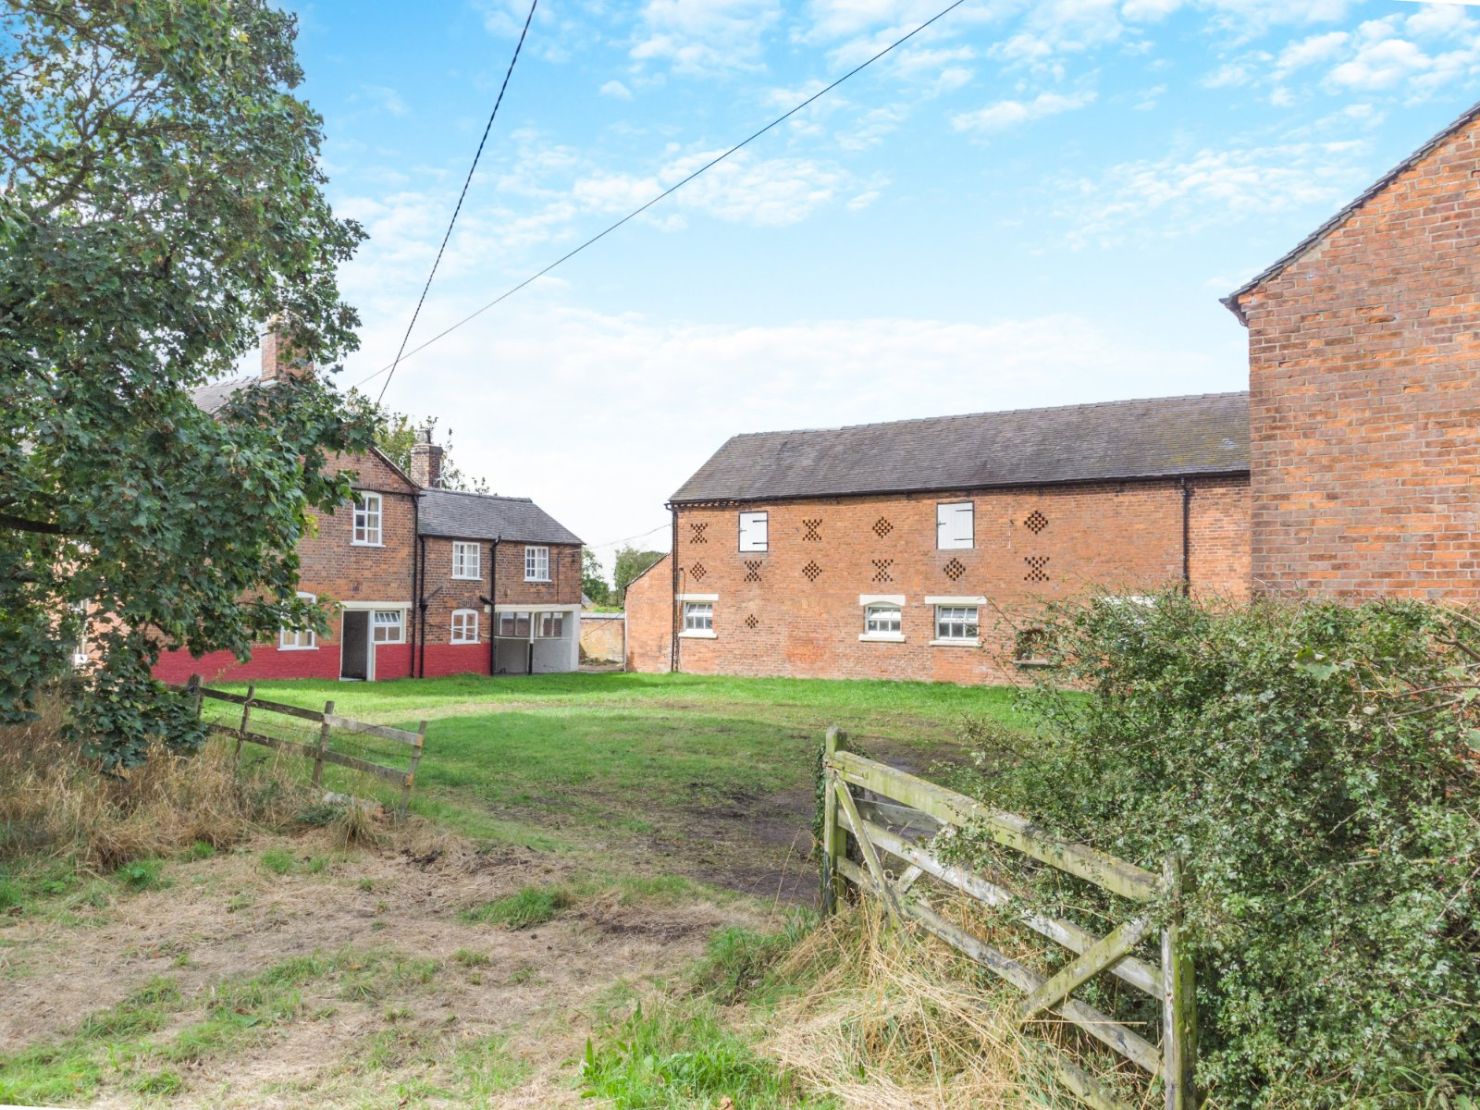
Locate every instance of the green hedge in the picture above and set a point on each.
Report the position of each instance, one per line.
(1317, 766)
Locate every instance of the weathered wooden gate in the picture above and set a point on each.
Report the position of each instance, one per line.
(916, 801)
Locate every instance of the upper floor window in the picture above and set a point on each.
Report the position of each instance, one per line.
(465, 626)
(753, 531)
(465, 560)
(298, 639)
(955, 525)
(388, 626)
(537, 564)
(367, 519)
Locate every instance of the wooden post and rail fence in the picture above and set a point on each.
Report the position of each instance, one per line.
(914, 803)
(320, 752)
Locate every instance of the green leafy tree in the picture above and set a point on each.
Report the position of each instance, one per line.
(396, 434)
(593, 579)
(630, 564)
(160, 199)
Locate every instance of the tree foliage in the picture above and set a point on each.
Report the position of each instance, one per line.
(161, 200)
(593, 579)
(396, 434)
(630, 564)
(1317, 767)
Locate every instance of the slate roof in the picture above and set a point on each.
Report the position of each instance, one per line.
(1156, 438)
(212, 397)
(481, 516)
(1231, 301)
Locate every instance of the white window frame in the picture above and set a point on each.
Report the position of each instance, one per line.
(294, 639)
(702, 606)
(369, 520)
(398, 626)
(542, 617)
(467, 560)
(956, 604)
(533, 557)
(468, 633)
(955, 525)
(755, 531)
(513, 617)
(877, 604)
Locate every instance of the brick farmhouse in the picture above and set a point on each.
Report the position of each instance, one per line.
(1351, 469)
(418, 580)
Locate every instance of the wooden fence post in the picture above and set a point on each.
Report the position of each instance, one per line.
(193, 689)
(832, 836)
(1179, 1005)
(241, 733)
(318, 759)
(421, 736)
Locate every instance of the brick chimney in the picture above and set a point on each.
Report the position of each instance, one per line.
(278, 361)
(426, 460)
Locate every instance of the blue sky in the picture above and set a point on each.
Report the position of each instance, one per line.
(1030, 204)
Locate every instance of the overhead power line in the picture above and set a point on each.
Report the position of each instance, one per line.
(568, 255)
(518, 46)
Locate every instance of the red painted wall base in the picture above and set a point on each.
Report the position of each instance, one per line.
(270, 661)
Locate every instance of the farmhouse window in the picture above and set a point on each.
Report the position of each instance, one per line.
(514, 625)
(883, 619)
(551, 626)
(465, 626)
(754, 531)
(298, 639)
(367, 520)
(537, 564)
(956, 623)
(698, 616)
(465, 560)
(389, 626)
(955, 525)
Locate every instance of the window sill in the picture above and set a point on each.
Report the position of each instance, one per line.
(956, 643)
(546, 581)
(696, 634)
(388, 643)
(296, 647)
(1029, 663)
(467, 578)
(464, 643)
(881, 637)
(362, 543)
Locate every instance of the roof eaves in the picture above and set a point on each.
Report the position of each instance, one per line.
(1231, 302)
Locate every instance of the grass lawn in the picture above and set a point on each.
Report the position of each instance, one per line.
(704, 776)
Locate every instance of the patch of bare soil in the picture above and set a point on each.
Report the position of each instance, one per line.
(229, 918)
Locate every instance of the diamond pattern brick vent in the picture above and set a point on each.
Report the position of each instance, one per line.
(1036, 571)
(812, 571)
(1036, 522)
(753, 570)
(955, 569)
(812, 535)
(697, 572)
(697, 528)
(882, 527)
(751, 622)
(882, 571)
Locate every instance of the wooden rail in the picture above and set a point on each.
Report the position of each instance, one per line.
(916, 803)
(321, 753)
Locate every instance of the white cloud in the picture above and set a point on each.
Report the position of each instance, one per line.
(704, 37)
(616, 90)
(1004, 114)
(385, 98)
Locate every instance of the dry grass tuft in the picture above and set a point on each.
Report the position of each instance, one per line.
(54, 803)
(894, 1020)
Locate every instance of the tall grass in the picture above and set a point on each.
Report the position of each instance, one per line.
(55, 804)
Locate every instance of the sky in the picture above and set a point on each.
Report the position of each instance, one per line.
(1033, 202)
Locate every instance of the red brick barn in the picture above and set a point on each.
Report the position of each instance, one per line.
(900, 550)
(1364, 378)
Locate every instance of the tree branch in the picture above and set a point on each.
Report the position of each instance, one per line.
(21, 524)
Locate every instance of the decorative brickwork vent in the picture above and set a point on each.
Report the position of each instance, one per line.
(1036, 522)
(1036, 571)
(697, 528)
(697, 572)
(751, 622)
(812, 571)
(882, 527)
(753, 570)
(882, 572)
(955, 569)
(812, 535)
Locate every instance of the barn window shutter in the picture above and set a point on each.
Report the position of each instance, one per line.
(753, 532)
(954, 526)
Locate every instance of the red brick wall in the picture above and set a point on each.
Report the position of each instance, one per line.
(334, 570)
(1365, 396)
(1125, 538)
